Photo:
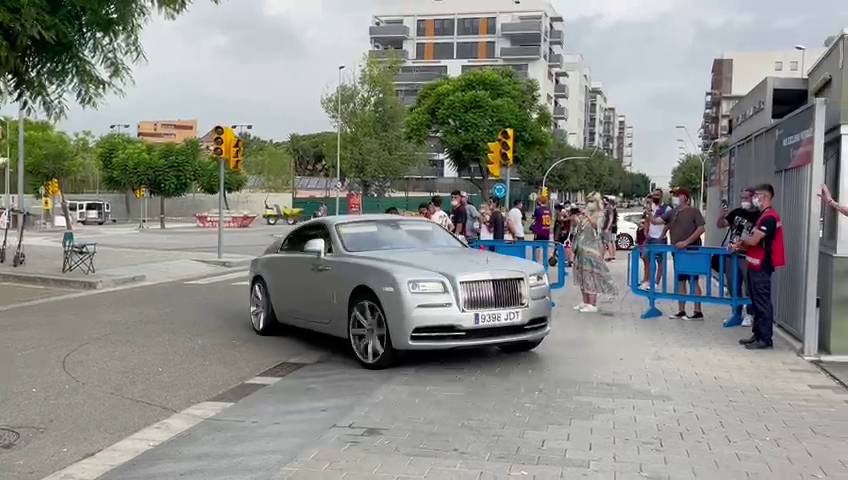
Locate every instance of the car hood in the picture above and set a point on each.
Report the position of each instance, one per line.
(455, 262)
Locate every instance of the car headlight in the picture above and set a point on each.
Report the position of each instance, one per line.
(426, 286)
(538, 279)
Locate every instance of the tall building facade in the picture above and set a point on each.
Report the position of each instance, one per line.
(434, 38)
(734, 74)
(624, 142)
(167, 131)
(609, 132)
(596, 110)
(579, 81)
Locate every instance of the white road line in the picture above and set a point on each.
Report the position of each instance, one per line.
(219, 278)
(264, 380)
(145, 439)
(244, 283)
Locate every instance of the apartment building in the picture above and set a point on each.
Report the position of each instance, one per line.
(434, 38)
(609, 132)
(597, 109)
(579, 81)
(734, 74)
(624, 142)
(167, 131)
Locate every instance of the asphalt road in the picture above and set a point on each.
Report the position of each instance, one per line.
(80, 374)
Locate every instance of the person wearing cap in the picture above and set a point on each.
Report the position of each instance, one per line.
(685, 227)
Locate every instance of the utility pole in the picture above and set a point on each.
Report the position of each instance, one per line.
(20, 163)
(8, 170)
(339, 140)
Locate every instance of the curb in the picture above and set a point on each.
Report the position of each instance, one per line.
(56, 281)
(225, 262)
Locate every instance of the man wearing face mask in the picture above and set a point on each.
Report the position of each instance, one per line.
(764, 253)
(459, 215)
(655, 234)
(685, 227)
(740, 222)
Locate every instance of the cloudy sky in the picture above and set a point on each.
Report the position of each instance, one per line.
(268, 62)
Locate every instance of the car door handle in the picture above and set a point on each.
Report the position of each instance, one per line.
(321, 268)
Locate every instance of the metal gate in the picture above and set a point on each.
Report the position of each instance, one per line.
(789, 155)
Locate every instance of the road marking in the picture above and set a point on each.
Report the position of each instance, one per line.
(141, 441)
(219, 278)
(264, 380)
(244, 283)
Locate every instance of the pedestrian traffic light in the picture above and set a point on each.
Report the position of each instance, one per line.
(507, 143)
(236, 153)
(494, 160)
(218, 141)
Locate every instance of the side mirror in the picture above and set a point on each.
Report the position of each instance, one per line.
(315, 246)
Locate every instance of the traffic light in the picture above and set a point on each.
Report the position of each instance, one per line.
(218, 141)
(507, 144)
(494, 162)
(236, 152)
(53, 189)
(545, 192)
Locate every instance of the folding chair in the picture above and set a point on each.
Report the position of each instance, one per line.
(77, 255)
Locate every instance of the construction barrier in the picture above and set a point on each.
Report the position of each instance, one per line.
(697, 262)
(536, 251)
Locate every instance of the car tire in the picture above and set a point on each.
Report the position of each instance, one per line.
(624, 242)
(519, 347)
(263, 320)
(366, 321)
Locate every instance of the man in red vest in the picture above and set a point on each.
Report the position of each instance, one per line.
(764, 253)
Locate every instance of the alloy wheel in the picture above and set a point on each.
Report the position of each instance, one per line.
(368, 333)
(257, 306)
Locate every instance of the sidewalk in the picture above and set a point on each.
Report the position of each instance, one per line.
(607, 396)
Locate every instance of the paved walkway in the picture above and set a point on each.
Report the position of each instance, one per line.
(607, 396)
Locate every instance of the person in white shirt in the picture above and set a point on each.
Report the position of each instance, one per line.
(514, 223)
(656, 232)
(438, 215)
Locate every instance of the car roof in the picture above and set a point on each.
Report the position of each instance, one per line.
(342, 219)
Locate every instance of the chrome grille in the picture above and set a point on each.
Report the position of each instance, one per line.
(492, 294)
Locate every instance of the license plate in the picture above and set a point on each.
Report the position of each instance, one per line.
(496, 318)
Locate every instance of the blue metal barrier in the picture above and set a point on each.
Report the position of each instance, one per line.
(694, 261)
(530, 250)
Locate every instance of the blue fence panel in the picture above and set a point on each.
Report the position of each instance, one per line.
(698, 262)
(533, 251)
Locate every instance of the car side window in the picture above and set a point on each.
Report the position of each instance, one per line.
(296, 241)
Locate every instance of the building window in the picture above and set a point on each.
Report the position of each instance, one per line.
(476, 26)
(436, 27)
(434, 51)
(778, 66)
(793, 65)
(475, 50)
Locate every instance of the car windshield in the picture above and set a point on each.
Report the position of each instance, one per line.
(368, 236)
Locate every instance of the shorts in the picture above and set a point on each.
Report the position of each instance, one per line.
(609, 237)
(655, 241)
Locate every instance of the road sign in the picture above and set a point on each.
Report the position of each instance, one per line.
(499, 190)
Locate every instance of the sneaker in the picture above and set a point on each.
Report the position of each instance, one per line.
(679, 316)
(579, 306)
(695, 316)
(759, 345)
(588, 309)
(748, 341)
(747, 320)
(645, 286)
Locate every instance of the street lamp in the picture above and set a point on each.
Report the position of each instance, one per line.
(803, 51)
(118, 126)
(561, 160)
(339, 139)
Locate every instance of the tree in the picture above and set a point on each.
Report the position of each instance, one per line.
(312, 153)
(173, 173)
(466, 113)
(687, 173)
(50, 155)
(269, 160)
(208, 179)
(375, 148)
(84, 49)
(635, 185)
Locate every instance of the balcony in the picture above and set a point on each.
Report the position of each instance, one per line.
(523, 27)
(389, 31)
(388, 53)
(557, 37)
(417, 77)
(521, 52)
(561, 91)
(560, 113)
(555, 61)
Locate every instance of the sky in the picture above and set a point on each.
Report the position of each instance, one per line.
(268, 62)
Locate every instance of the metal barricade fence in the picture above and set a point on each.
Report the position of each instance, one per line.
(533, 250)
(694, 262)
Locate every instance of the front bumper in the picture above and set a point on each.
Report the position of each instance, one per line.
(438, 323)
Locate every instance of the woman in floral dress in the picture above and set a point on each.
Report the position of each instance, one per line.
(591, 273)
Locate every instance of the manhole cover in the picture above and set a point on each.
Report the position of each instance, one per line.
(281, 370)
(8, 438)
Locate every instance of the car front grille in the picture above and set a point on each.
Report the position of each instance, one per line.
(492, 294)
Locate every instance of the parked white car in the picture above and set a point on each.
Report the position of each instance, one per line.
(628, 225)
